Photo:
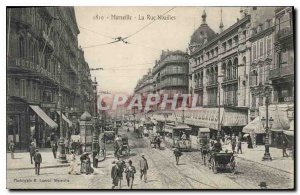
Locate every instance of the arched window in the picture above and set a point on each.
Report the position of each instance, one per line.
(235, 68)
(228, 70)
(224, 70)
(254, 76)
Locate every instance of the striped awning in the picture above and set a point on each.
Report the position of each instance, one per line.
(254, 126)
(65, 119)
(43, 116)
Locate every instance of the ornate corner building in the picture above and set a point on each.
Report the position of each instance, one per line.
(42, 49)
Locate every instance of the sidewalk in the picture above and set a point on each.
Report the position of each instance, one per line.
(22, 160)
(255, 154)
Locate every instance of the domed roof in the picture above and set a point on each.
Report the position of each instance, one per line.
(203, 33)
(86, 116)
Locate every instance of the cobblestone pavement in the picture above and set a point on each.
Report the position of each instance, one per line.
(163, 173)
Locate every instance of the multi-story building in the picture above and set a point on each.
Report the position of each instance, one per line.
(262, 55)
(168, 76)
(219, 63)
(43, 54)
(282, 73)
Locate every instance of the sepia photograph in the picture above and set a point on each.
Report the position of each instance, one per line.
(150, 97)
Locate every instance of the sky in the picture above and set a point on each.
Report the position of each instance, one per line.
(124, 64)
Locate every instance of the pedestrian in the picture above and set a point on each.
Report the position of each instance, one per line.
(239, 146)
(37, 161)
(177, 154)
(284, 146)
(54, 149)
(116, 174)
(32, 151)
(130, 171)
(158, 142)
(12, 148)
(144, 168)
(73, 164)
(71, 145)
(77, 145)
(67, 145)
(249, 141)
(233, 144)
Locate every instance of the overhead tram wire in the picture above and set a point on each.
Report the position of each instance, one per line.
(121, 39)
(103, 35)
(148, 24)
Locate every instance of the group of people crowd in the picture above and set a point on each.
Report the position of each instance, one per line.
(119, 167)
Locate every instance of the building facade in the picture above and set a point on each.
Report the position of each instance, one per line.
(43, 54)
(169, 76)
(219, 63)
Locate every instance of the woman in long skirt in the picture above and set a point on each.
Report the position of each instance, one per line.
(73, 165)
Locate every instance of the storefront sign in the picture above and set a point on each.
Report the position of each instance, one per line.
(288, 99)
(48, 105)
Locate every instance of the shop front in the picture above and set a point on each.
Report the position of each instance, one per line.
(231, 120)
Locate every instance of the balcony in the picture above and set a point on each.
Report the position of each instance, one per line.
(284, 33)
(34, 68)
(198, 86)
(212, 82)
(282, 72)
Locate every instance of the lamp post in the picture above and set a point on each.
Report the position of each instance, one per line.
(267, 122)
(219, 109)
(95, 143)
(61, 144)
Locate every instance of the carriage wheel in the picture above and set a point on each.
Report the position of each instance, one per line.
(214, 167)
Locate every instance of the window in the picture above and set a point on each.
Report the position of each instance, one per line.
(217, 51)
(31, 90)
(260, 77)
(268, 47)
(22, 47)
(229, 43)
(261, 49)
(8, 85)
(23, 88)
(261, 100)
(254, 52)
(253, 103)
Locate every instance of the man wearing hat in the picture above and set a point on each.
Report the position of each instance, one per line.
(37, 161)
(130, 171)
(116, 174)
(144, 168)
(31, 151)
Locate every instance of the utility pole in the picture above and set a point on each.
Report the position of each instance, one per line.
(219, 109)
(61, 145)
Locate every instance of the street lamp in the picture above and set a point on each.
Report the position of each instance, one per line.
(61, 144)
(219, 109)
(268, 124)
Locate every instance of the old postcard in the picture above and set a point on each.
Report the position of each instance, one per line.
(150, 98)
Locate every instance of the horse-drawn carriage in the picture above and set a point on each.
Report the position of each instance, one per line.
(106, 143)
(123, 146)
(203, 141)
(222, 161)
(154, 140)
(181, 137)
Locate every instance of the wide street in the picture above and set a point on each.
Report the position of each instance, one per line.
(163, 173)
